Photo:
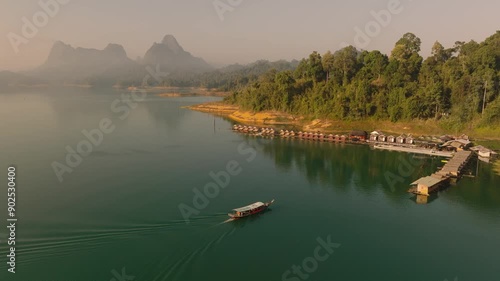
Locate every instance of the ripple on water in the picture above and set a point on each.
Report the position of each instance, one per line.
(66, 243)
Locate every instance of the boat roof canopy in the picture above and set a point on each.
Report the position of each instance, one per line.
(249, 207)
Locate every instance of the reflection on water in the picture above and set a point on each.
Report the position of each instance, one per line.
(338, 165)
(497, 167)
(119, 208)
(345, 166)
(423, 199)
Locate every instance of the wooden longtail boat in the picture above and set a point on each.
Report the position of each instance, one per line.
(249, 210)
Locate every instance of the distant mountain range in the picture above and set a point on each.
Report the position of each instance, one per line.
(68, 65)
(111, 66)
(80, 65)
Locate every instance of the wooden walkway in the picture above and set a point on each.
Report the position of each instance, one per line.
(455, 165)
(414, 149)
(452, 169)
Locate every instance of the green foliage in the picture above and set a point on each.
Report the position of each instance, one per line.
(228, 78)
(452, 85)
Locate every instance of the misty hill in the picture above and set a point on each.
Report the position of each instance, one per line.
(230, 77)
(81, 65)
(237, 75)
(16, 79)
(172, 57)
(111, 66)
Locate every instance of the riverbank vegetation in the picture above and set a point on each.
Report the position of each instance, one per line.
(457, 87)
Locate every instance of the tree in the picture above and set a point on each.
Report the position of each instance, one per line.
(328, 63)
(456, 85)
(440, 54)
(405, 58)
(346, 60)
(374, 64)
(315, 69)
(406, 46)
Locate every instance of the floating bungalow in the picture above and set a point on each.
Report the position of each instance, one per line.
(427, 185)
(457, 145)
(445, 138)
(358, 135)
(391, 139)
(374, 136)
(483, 151)
(400, 139)
(452, 169)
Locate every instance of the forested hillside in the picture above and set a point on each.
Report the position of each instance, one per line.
(456, 85)
(232, 77)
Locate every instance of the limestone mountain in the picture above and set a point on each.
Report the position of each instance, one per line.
(111, 65)
(173, 58)
(84, 65)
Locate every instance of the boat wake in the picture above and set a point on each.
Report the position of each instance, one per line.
(228, 220)
(177, 264)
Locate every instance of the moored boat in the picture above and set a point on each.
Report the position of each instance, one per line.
(249, 210)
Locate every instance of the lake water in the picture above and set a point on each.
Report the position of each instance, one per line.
(341, 211)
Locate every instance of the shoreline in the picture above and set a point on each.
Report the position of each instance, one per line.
(234, 113)
(274, 118)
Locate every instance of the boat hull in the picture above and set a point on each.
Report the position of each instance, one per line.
(247, 215)
(252, 212)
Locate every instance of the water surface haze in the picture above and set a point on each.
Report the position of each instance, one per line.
(117, 213)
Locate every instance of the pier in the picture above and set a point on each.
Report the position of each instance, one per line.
(355, 137)
(455, 166)
(452, 169)
(421, 187)
(415, 149)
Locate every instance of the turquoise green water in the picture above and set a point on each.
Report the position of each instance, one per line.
(118, 211)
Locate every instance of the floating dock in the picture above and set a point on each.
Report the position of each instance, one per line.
(455, 166)
(415, 149)
(452, 169)
(355, 137)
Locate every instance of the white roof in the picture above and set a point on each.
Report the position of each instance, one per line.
(482, 149)
(249, 207)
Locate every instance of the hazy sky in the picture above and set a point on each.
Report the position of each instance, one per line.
(253, 29)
